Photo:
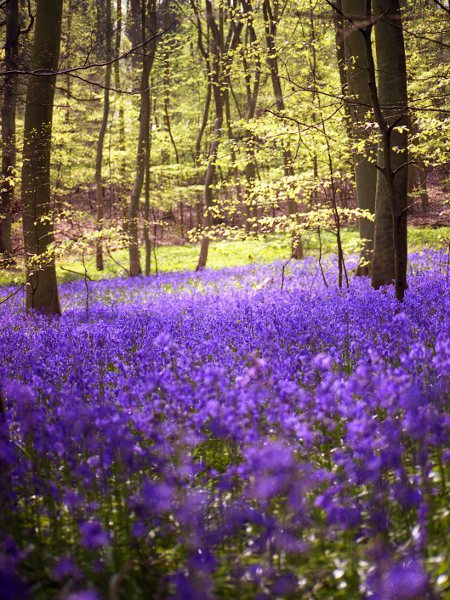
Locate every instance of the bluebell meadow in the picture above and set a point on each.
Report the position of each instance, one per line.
(203, 436)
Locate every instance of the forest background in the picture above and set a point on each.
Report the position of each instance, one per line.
(183, 122)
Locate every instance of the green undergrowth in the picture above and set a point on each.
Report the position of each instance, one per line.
(263, 249)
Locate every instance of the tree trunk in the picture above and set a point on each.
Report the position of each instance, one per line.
(340, 27)
(252, 77)
(271, 19)
(359, 104)
(41, 288)
(209, 180)
(7, 182)
(123, 202)
(166, 96)
(147, 239)
(417, 179)
(218, 58)
(390, 106)
(99, 195)
(142, 155)
(198, 142)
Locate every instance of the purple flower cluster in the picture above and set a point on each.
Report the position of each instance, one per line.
(215, 436)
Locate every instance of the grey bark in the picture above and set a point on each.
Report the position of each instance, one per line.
(8, 116)
(118, 42)
(360, 104)
(389, 100)
(271, 19)
(99, 195)
(143, 139)
(252, 78)
(218, 58)
(41, 288)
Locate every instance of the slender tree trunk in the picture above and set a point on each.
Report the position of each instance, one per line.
(209, 180)
(271, 19)
(214, 145)
(340, 26)
(7, 181)
(99, 193)
(252, 77)
(198, 151)
(417, 179)
(142, 155)
(166, 94)
(198, 142)
(218, 58)
(389, 100)
(360, 104)
(148, 154)
(41, 289)
(122, 148)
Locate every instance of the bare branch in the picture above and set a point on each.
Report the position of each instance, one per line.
(70, 71)
(447, 10)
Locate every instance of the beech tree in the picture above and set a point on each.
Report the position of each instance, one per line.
(148, 29)
(390, 105)
(359, 103)
(380, 85)
(41, 285)
(272, 11)
(105, 28)
(218, 53)
(8, 114)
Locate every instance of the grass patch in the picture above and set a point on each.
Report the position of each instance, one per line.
(228, 254)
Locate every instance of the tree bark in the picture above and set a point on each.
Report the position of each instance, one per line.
(389, 100)
(143, 140)
(41, 288)
(360, 104)
(99, 196)
(123, 202)
(218, 58)
(146, 229)
(271, 20)
(252, 77)
(8, 114)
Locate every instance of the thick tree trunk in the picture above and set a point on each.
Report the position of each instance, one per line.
(390, 248)
(41, 289)
(8, 174)
(359, 105)
(99, 194)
